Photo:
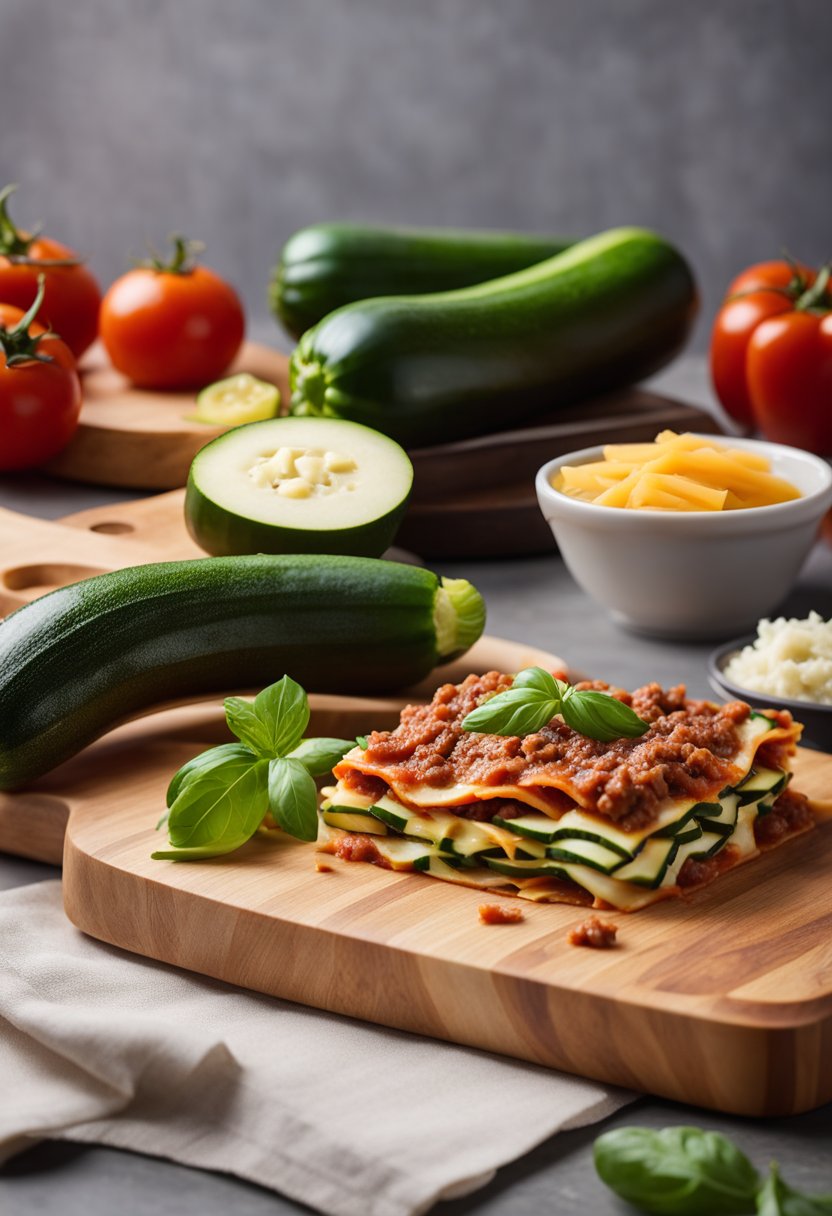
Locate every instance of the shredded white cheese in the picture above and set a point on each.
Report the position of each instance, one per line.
(301, 472)
(789, 658)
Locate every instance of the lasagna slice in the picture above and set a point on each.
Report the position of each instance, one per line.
(559, 817)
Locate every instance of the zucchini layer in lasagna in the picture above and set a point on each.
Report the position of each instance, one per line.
(556, 816)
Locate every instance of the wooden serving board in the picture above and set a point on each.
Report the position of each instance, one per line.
(723, 1000)
(474, 499)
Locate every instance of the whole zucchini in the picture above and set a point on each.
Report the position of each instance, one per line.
(328, 265)
(76, 661)
(434, 368)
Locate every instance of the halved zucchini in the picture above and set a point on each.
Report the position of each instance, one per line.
(298, 485)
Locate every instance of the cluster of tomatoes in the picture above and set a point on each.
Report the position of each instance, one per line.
(165, 325)
(771, 353)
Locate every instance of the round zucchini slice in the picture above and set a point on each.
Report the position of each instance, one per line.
(236, 400)
(298, 485)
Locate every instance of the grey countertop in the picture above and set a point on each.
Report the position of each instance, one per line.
(536, 601)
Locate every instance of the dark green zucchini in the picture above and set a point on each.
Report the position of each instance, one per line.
(433, 368)
(328, 265)
(78, 660)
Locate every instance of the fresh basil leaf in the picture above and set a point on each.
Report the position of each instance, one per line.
(518, 711)
(293, 798)
(244, 722)
(319, 756)
(777, 1198)
(538, 678)
(283, 708)
(200, 852)
(601, 716)
(361, 740)
(541, 680)
(678, 1171)
(202, 763)
(220, 807)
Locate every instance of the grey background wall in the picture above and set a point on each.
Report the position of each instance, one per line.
(242, 120)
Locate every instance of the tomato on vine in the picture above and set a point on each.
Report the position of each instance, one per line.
(71, 297)
(174, 324)
(40, 393)
(771, 353)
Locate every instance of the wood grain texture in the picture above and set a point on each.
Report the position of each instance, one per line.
(145, 440)
(723, 999)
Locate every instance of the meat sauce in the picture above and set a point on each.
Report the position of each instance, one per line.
(687, 752)
(500, 914)
(593, 932)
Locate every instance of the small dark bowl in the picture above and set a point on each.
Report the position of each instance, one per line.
(816, 719)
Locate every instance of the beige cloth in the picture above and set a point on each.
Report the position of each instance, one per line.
(100, 1046)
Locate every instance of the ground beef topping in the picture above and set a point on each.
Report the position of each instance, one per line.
(593, 932)
(790, 814)
(500, 914)
(686, 753)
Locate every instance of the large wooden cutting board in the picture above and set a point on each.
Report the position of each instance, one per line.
(723, 1000)
(471, 499)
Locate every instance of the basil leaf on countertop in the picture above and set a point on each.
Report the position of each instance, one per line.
(536, 697)
(677, 1171)
(777, 1198)
(319, 756)
(218, 808)
(293, 798)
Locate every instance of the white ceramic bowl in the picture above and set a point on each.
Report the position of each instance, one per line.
(690, 574)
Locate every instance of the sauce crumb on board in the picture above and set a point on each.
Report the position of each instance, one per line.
(594, 932)
(499, 914)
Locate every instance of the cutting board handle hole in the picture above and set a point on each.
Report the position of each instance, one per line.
(113, 527)
(32, 581)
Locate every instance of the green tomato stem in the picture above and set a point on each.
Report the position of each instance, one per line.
(17, 343)
(181, 261)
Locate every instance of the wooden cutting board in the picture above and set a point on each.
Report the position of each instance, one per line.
(471, 499)
(144, 440)
(722, 1000)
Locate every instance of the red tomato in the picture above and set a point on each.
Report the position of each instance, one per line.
(748, 301)
(789, 369)
(39, 401)
(172, 327)
(71, 294)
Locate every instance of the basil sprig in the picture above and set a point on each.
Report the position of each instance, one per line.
(536, 697)
(217, 800)
(684, 1171)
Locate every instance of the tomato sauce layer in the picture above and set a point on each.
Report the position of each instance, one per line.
(688, 751)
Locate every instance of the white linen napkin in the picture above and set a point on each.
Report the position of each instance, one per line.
(101, 1046)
